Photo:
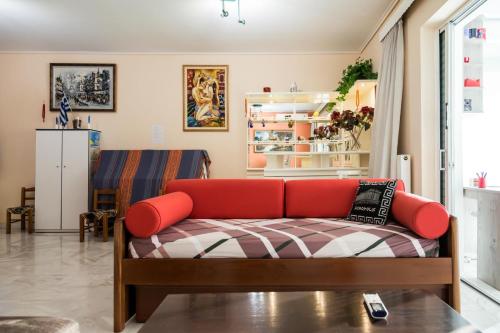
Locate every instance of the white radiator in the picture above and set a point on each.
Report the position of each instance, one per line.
(404, 170)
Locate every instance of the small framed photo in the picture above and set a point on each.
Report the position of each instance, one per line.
(467, 105)
(273, 135)
(205, 98)
(88, 87)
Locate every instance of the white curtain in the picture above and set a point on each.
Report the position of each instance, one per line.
(385, 129)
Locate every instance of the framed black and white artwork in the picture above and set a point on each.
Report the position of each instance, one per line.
(88, 87)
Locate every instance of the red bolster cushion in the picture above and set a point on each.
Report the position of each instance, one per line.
(233, 198)
(148, 217)
(323, 197)
(427, 218)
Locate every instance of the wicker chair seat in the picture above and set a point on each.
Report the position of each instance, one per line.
(20, 210)
(99, 213)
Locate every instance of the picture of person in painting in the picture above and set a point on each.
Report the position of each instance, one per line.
(205, 95)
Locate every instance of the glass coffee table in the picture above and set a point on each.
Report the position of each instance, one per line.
(314, 311)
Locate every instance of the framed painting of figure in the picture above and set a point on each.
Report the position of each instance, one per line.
(88, 87)
(205, 98)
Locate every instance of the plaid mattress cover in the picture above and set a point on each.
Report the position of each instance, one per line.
(282, 238)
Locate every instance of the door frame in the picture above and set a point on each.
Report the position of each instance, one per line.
(445, 150)
(451, 153)
(449, 159)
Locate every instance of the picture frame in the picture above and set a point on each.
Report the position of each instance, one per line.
(89, 87)
(205, 98)
(270, 135)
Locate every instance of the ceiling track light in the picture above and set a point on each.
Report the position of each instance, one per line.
(225, 13)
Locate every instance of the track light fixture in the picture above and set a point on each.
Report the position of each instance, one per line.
(225, 13)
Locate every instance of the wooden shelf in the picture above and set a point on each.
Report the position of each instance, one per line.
(271, 143)
(294, 142)
(319, 169)
(311, 169)
(295, 173)
(274, 120)
(325, 153)
(292, 97)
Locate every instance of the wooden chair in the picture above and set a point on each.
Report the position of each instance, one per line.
(104, 208)
(26, 209)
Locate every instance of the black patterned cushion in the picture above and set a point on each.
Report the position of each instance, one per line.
(373, 202)
(21, 210)
(99, 214)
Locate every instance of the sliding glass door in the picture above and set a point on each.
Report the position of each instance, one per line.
(470, 132)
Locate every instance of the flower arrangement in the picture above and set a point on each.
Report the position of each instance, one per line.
(354, 122)
(325, 132)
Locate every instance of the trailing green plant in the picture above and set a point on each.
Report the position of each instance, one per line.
(362, 69)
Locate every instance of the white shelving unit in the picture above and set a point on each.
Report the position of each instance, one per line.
(481, 51)
(272, 154)
(473, 66)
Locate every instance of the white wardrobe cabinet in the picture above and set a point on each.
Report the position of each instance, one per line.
(63, 177)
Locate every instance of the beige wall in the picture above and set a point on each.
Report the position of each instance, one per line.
(149, 91)
(420, 110)
(418, 132)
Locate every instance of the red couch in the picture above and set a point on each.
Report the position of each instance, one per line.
(147, 281)
(274, 199)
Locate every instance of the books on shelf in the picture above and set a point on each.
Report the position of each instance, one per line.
(475, 33)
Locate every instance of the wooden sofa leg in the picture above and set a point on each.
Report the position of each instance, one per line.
(120, 289)
(120, 307)
(82, 228)
(105, 230)
(454, 289)
(31, 227)
(8, 223)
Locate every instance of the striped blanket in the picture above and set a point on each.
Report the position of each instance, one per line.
(141, 174)
(282, 238)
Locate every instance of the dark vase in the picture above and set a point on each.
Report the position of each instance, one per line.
(77, 123)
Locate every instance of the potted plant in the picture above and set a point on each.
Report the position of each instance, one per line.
(362, 69)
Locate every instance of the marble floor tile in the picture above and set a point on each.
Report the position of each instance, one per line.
(480, 310)
(56, 275)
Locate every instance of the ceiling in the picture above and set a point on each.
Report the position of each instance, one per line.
(188, 25)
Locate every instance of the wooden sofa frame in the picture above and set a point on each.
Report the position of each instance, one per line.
(140, 285)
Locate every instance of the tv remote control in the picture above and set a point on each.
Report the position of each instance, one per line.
(375, 306)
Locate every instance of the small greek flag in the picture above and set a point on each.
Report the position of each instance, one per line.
(64, 108)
